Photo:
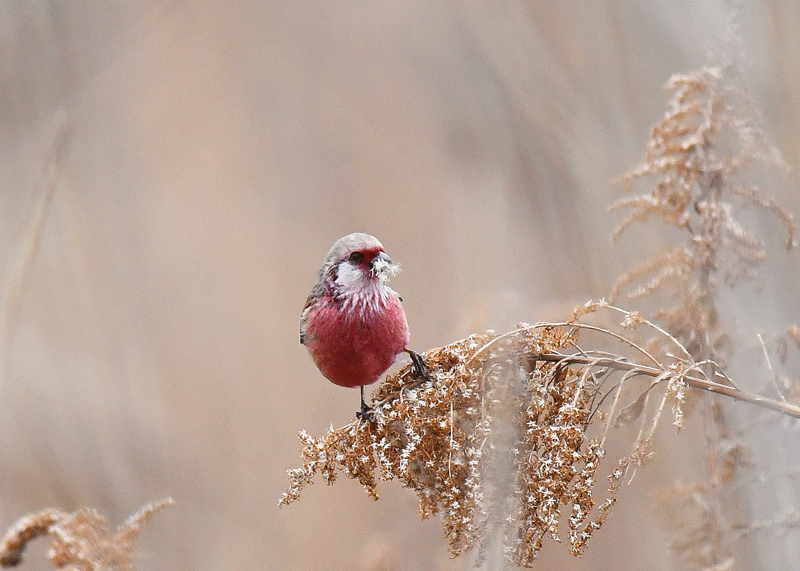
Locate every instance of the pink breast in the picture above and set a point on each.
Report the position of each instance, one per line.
(352, 349)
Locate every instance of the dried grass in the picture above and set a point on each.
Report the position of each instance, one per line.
(539, 402)
(79, 541)
(696, 165)
(693, 169)
(440, 438)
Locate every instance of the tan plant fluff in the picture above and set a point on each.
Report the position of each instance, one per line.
(79, 541)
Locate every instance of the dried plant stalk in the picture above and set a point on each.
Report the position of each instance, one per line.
(692, 161)
(695, 167)
(79, 540)
(444, 439)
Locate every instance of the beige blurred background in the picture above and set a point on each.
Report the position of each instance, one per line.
(215, 150)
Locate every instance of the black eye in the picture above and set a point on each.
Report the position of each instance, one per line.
(357, 257)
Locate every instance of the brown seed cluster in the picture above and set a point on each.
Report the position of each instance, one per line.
(497, 444)
(698, 163)
(507, 442)
(80, 540)
(696, 168)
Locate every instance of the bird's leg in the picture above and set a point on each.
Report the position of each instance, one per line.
(419, 364)
(366, 411)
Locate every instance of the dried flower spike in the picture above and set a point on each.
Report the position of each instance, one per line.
(79, 540)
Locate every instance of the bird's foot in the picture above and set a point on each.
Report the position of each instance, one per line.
(365, 413)
(419, 365)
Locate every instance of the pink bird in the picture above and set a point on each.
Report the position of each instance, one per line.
(353, 323)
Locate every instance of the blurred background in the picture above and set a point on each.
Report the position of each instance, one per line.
(172, 175)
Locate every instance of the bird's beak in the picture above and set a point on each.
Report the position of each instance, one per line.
(382, 257)
(383, 266)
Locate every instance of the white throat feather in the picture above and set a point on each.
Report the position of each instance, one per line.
(362, 291)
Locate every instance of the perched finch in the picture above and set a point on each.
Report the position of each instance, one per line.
(353, 324)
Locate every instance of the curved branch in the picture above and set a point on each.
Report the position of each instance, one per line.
(695, 382)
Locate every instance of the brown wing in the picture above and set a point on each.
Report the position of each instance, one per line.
(304, 318)
(316, 291)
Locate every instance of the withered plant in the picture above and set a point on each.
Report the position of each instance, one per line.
(695, 172)
(533, 404)
(80, 540)
(508, 440)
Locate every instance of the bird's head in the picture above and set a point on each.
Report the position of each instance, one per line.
(357, 261)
